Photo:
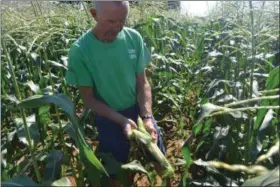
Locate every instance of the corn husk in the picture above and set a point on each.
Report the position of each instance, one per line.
(144, 138)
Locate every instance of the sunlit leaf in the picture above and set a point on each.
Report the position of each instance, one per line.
(207, 109)
(273, 79)
(33, 129)
(56, 64)
(135, 166)
(12, 98)
(215, 53)
(226, 99)
(64, 60)
(62, 182)
(219, 142)
(36, 58)
(263, 130)
(270, 179)
(219, 84)
(34, 87)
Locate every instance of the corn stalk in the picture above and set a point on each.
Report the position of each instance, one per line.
(249, 128)
(23, 115)
(60, 134)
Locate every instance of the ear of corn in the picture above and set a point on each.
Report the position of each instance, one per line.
(141, 126)
(145, 139)
(141, 137)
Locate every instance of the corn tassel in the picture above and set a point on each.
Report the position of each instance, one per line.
(254, 169)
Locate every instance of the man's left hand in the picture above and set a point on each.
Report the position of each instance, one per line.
(148, 124)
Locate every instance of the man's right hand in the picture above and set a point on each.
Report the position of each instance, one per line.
(128, 126)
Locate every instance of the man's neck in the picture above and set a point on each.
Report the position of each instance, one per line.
(97, 34)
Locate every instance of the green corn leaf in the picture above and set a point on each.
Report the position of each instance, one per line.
(187, 154)
(33, 87)
(272, 82)
(273, 79)
(53, 166)
(135, 165)
(92, 164)
(19, 181)
(33, 129)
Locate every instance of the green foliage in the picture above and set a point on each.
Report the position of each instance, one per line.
(92, 164)
(201, 82)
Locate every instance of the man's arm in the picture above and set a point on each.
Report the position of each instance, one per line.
(144, 95)
(91, 102)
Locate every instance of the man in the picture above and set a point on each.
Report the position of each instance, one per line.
(108, 65)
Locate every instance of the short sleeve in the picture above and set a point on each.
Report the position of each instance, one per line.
(77, 73)
(144, 56)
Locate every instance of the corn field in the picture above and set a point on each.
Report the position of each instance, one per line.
(215, 88)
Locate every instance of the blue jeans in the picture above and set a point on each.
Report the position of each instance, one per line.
(112, 139)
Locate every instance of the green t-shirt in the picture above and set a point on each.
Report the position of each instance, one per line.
(110, 68)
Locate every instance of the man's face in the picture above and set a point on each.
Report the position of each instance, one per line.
(110, 20)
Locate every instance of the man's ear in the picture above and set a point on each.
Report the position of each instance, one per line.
(93, 13)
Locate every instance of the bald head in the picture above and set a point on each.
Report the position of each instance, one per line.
(110, 17)
(99, 5)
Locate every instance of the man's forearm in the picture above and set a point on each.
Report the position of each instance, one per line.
(103, 110)
(144, 97)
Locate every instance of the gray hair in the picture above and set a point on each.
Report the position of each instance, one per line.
(97, 4)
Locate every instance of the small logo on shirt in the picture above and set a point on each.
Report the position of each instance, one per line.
(132, 53)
